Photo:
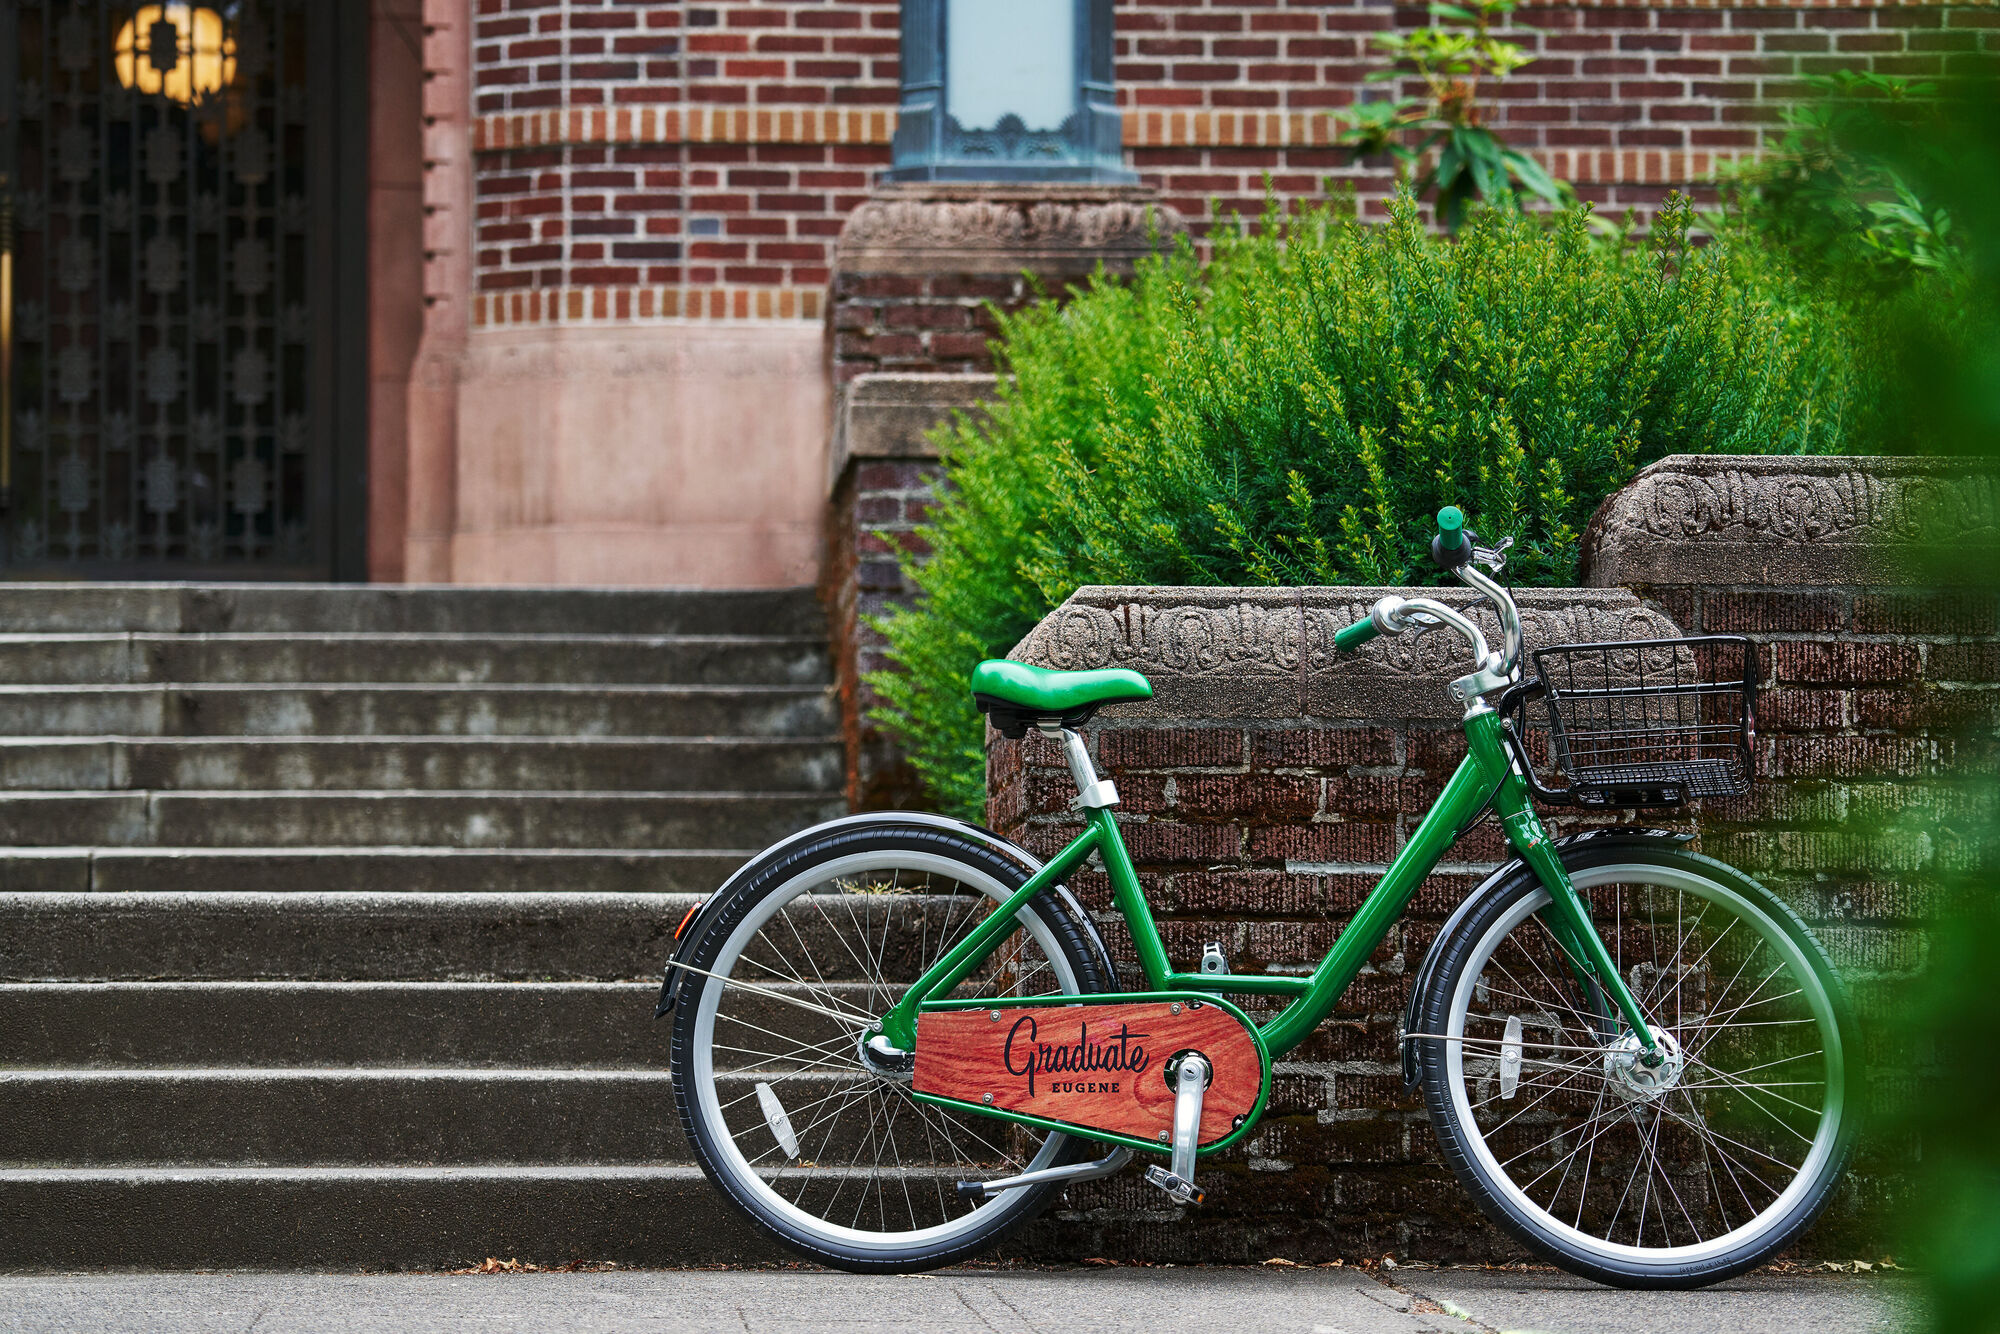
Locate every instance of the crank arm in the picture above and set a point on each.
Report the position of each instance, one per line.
(1103, 1167)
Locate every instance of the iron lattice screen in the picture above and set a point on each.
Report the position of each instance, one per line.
(168, 168)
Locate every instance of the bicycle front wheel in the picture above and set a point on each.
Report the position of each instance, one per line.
(785, 1109)
(1668, 1175)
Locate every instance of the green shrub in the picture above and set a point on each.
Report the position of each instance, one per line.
(1293, 411)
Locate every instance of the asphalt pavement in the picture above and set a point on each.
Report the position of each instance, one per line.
(969, 1301)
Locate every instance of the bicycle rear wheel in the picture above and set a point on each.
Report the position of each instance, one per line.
(1671, 1176)
(785, 1111)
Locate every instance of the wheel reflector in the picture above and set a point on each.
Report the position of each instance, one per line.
(781, 1125)
(1510, 1057)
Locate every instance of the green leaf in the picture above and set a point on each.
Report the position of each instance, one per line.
(1534, 177)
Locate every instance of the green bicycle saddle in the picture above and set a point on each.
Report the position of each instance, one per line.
(1016, 696)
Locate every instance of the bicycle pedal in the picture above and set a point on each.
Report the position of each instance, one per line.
(1178, 1188)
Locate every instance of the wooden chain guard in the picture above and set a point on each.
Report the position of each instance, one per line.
(1097, 1063)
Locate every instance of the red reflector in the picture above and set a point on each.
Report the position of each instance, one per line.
(681, 930)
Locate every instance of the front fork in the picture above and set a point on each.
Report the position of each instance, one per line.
(1568, 915)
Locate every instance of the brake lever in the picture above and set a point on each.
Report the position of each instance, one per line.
(1494, 558)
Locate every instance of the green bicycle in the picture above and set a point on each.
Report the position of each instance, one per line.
(897, 1036)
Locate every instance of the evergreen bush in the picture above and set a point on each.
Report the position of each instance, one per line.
(1293, 411)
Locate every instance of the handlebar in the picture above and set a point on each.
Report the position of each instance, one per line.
(1349, 638)
(1452, 548)
(1455, 548)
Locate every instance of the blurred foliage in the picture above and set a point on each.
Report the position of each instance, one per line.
(1461, 158)
(1888, 195)
(1850, 216)
(1294, 412)
(1951, 386)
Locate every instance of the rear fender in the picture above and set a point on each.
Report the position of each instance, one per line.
(709, 911)
(1413, 1057)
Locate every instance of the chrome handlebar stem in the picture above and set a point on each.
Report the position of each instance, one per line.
(1494, 671)
(1503, 606)
(1393, 615)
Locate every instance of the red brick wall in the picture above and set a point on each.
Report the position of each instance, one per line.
(1626, 100)
(877, 506)
(709, 200)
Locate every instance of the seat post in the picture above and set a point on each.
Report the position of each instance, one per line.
(1091, 791)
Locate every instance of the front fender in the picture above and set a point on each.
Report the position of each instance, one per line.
(707, 913)
(1413, 1060)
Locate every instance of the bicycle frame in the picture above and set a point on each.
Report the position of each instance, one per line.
(1486, 773)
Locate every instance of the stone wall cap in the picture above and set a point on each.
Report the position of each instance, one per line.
(1050, 229)
(1014, 191)
(1268, 652)
(890, 415)
(1819, 465)
(914, 387)
(1811, 520)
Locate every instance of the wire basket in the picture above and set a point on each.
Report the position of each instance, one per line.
(1654, 722)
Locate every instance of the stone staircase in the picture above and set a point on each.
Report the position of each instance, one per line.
(331, 918)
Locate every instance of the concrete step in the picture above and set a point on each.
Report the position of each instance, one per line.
(592, 937)
(413, 1117)
(318, 1117)
(411, 609)
(585, 1025)
(460, 659)
(338, 937)
(416, 710)
(445, 1025)
(410, 819)
(432, 763)
(406, 1218)
(309, 870)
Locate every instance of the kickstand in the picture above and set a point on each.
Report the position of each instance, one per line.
(1190, 1084)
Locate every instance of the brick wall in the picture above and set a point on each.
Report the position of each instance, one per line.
(1269, 784)
(1627, 100)
(658, 158)
(877, 506)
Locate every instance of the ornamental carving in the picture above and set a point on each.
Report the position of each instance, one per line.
(1269, 652)
(1438, 653)
(1759, 519)
(991, 225)
(1240, 638)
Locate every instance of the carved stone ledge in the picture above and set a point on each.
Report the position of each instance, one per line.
(1752, 519)
(1053, 229)
(888, 415)
(1268, 652)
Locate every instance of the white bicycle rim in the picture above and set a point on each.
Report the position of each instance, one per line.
(1497, 1177)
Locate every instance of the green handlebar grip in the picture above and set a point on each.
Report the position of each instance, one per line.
(1451, 528)
(1352, 637)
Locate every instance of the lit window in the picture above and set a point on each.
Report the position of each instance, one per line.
(183, 52)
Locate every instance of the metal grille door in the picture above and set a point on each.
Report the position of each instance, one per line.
(169, 167)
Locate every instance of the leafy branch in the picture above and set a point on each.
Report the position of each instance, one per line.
(1462, 159)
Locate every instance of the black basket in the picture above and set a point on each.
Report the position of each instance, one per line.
(1648, 722)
